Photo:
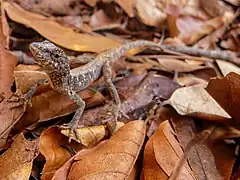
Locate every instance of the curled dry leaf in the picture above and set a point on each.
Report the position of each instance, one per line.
(161, 155)
(90, 136)
(226, 92)
(50, 147)
(71, 39)
(115, 158)
(195, 101)
(16, 162)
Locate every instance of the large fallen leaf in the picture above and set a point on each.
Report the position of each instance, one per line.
(185, 129)
(226, 91)
(55, 155)
(62, 36)
(161, 155)
(115, 158)
(8, 116)
(195, 101)
(16, 162)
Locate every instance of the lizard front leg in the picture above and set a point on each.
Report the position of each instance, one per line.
(107, 74)
(25, 99)
(74, 122)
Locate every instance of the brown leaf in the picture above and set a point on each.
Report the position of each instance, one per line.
(155, 16)
(90, 136)
(16, 162)
(151, 169)
(91, 2)
(55, 155)
(127, 6)
(190, 80)
(226, 92)
(99, 21)
(166, 153)
(212, 7)
(62, 36)
(115, 158)
(192, 29)
(8, 116)
(175, 65)
(195, 101)
(185, 130)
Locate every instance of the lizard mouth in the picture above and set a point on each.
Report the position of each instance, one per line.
(33, 48)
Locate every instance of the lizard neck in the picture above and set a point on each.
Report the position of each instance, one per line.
(60, 80)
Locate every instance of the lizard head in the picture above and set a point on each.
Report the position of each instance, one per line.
(49, 57)
(53, 60)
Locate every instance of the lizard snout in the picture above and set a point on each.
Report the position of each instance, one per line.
(34, 48)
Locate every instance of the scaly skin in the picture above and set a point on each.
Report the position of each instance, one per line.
(56, 64)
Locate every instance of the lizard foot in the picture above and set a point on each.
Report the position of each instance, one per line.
(116, 113)
(73, 134)
(20, 100)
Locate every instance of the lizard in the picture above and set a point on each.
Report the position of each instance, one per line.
(55, 63)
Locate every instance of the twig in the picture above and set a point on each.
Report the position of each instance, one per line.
(213, 54)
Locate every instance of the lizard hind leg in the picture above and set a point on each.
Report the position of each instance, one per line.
(73, 124)
(107, 74)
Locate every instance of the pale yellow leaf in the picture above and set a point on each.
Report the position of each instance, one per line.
(195, 101)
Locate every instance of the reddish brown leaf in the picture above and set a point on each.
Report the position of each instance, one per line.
(115, 158)
(55, 155)
(226, 92)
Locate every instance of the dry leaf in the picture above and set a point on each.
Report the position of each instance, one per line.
(227, 67)
(175, 65)
(8, 116)
(62, 36)
(127, 6)
(16, 162)
(151, 169)
(115, 158)
(90, 136)
(212, 7)
(185, 130)
(195, 101)
(154, 16)
(91, 2)
(55, 155)
(190, 80)
(226, 92)
(166, 153)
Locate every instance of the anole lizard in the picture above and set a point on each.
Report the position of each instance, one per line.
(55, 63)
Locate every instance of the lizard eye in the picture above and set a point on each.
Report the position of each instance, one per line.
(55, 55)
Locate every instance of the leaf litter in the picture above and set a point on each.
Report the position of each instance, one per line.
(181, 104)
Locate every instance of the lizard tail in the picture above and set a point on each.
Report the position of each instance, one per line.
(128, 46)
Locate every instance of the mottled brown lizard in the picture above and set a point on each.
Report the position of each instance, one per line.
(56, 64)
